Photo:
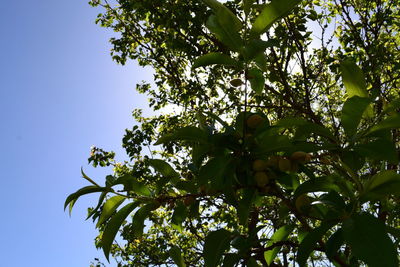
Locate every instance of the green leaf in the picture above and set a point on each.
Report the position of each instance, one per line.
(214, 58)
(225, 15)
(392, 122)
(245, 204)
(109, 208)
(213, 171)
(247, 6)
(113, 226)
(189, 133)
(131, 184)
(257, 47)
(352, 112)
(225, 28)
(303, 127)
(369, 241)
(72, 198)
(380, 149)
(179, 215)
(176, 256)
(334, 243)
(230, 260)
(257, 80)
(139, 218)
(310, 241)
(322, 184)
(353, 79)
(215, 245)
(164, 169)
(280, 235)
(101, 198)
(271, 13)
(381, 185)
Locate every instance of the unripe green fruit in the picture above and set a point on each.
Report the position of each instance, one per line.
(285, 165)
(259, 165)
(254, 121)
(236, 82)
(302, 203)
(301, 157)
(261, 179)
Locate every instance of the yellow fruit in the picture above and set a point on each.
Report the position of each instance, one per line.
(301, 157)
(189, 200)
(261, 178)
(302, 203)
(259, 165)
(254, 121)
(285, 165)
(236, 82)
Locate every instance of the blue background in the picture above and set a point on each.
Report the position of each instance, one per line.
(60, 93)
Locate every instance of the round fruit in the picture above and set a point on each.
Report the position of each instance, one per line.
(301, 157)
(259, 165)
(302, 203)
(236, 82)
(189, 200)
(285, 165)
(273, 161)
(254, 121)
(261, 178)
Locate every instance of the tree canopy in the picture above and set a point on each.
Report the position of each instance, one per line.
(283, 148)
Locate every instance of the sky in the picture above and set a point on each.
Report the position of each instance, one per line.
(60, 94)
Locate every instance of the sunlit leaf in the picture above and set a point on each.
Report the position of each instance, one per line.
(257, 80)
(280, 235)
(83, 191)
(214, 58)
(271, 13)
(113, 226)
(140, 216)
(109, 208)
(352, 112)
(353, 79)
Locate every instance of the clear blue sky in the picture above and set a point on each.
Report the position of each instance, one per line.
(60, 93)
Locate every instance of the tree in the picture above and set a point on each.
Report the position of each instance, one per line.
(284, 149)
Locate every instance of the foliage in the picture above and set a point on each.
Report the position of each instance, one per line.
(284, 147)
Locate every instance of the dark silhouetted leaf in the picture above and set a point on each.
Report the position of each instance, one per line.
(215, 245)
(369, 241)
(310, 241)
(176, 256)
